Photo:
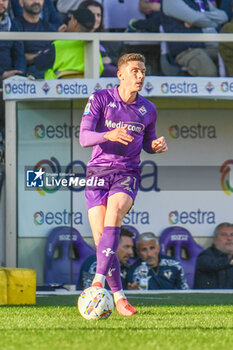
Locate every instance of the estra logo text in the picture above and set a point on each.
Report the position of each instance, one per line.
(184, 87)
(23, 88)
(199, 217)
(50, 131)
(197, 131)
(63, 217)
(72, 89)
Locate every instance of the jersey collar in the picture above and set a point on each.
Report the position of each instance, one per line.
(119, 99)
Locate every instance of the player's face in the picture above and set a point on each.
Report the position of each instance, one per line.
(3, 6)
(224, 240)
(148, 251)
(125, 249)
(132, 75)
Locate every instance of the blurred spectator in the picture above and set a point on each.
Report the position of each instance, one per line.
(67, 55)
(12, 59)
(124, 252)
(48, 14)
(110, 51)
(97, 9)
(151, 9)
(214, 267)
(64, 7)
(68, 5)
(225, 5)
(30, 21)
(226, 49)
(193, 16)
(164, 272)
(149, 6)
(118, 13)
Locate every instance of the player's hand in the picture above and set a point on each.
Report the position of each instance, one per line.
(119, 135)
(134, 285)
(159, 145)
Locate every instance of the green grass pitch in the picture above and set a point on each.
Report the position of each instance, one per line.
(157, 327)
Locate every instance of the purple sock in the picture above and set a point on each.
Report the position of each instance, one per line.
(107, 247)
(114, 275)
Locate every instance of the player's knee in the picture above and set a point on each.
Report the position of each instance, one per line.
(120, 213)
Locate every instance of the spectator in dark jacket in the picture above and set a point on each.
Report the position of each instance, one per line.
(151, 9)
(48, 14)
(12, 60)
(214, 267)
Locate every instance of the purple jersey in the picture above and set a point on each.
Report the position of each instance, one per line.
(105, 111)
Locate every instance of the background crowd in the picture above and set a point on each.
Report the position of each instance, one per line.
(44, 59)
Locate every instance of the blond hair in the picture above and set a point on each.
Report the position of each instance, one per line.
(130, 57)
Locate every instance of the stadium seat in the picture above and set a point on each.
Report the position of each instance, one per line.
(178, 242)
(117, 14)
(65, 252)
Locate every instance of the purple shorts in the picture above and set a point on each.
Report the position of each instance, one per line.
(102, 182)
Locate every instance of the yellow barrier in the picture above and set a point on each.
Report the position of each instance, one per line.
(17, 286)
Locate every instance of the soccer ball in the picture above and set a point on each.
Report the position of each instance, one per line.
(95, 303)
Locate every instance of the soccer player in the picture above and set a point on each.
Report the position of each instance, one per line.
(118, 123)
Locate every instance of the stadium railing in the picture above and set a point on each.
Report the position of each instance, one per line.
(93, 39)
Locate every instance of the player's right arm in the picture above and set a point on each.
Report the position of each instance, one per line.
(92, 113)
(89, 136)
